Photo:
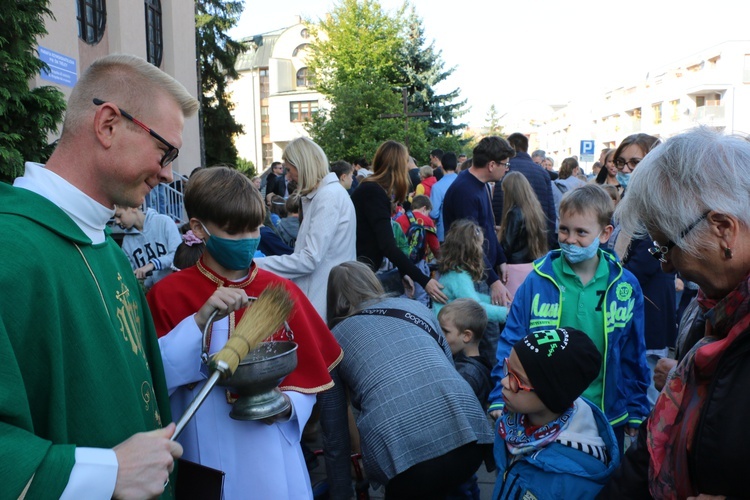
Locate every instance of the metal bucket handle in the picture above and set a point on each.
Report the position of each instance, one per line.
(204, 347)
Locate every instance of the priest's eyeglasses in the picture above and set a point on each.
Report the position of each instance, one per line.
(169, 155)
(659, 251)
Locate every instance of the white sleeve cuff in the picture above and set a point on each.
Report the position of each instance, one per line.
(94, 475)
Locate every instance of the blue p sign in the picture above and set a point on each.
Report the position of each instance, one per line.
(587, 148)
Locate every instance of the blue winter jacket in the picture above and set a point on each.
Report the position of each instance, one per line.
(536, 307)
(556, 471)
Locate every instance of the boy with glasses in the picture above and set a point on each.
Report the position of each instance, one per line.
(550, 442)
(584, 287)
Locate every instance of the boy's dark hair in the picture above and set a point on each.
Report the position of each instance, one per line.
(518, 141)
(224, 197)
(278, 206)
(437, 153)
(421, 201)
(449, 161)
(362, 162)
(466, 314)
(492, 148)
(589, 198)
(341, 167)
(292, 204)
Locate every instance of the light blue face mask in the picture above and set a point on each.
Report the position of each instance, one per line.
(575, 254)
(235, 255)
(623, 179)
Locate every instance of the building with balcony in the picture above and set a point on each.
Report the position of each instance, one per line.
(273, 96)
(709, 88)
(84, 30)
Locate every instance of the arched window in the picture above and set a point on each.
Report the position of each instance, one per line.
(92, 18)
(300, 48)
(303, 78)
(154, 43)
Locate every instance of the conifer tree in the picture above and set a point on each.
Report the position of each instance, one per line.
(27, 115)
(217, 56)
(423, 69)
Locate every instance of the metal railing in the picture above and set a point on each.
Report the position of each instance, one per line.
(167, 199)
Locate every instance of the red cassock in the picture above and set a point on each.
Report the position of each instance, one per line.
(183, 293)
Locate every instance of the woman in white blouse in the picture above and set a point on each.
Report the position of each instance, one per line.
(328, 231)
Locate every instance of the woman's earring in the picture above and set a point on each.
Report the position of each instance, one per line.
(728, 253)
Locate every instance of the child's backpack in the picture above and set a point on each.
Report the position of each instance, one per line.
(416, 237)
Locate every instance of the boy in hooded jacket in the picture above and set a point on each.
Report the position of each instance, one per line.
(584, 287)
(550, 442)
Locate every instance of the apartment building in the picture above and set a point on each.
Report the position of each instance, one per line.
(711, 87)
(273, 97)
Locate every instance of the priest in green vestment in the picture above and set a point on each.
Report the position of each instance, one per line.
(84, 409)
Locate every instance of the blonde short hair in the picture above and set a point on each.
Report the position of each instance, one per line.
(309, 160)
(128, 81)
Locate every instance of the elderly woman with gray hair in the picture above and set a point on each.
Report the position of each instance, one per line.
(691, 195)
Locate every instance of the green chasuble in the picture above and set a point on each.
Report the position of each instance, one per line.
(79, 360)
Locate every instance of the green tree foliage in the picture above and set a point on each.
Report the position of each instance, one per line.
(217, 55)
(352, 128)
(357, 42)
(362, 57)
(246, 167)
(493, 122)
(27, 116)
(422, 69)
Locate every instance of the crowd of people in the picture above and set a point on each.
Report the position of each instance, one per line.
(476, 311)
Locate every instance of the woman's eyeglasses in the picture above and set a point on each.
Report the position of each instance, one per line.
(659, 251)
(632, 163)
(514, 383)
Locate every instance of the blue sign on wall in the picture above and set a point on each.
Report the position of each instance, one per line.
(62, 69)
(587, 150)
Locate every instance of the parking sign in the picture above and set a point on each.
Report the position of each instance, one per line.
(587, 150)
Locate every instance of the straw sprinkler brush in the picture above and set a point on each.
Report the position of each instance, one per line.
(260, 321)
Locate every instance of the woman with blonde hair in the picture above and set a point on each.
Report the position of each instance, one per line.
(372, 203)
(523, 232)
(327, 231)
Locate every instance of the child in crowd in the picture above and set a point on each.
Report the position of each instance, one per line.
(550, 442)
(463, 322)
(262, 459)
(278, 210)
(150, 242)
(584, 287)
(523, 232)
(422, 244)
(345, 172)
(461, 268)
(288, 227)
(188, 252)
(461, 264)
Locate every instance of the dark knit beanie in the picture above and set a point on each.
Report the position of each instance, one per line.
(560, 365)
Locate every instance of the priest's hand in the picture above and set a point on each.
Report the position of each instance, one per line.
(144, 463)
(224, 300)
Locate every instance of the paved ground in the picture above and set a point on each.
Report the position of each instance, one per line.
(486, 479)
